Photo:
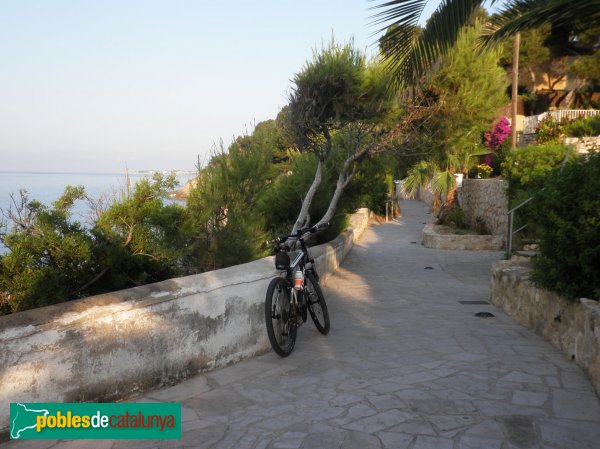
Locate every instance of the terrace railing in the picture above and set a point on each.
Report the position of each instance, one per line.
(531, 123)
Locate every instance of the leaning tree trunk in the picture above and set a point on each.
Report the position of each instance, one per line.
(303, 217)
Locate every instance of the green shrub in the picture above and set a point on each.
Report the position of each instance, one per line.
(525, 167)
(589, 126)
(53, 258)
(568, 213)
(455, 217)
(50, 258)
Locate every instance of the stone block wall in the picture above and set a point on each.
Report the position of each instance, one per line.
(571, 326)
(486, 199)
(110, 346)
(583, 145)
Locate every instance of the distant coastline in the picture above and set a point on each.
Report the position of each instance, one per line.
(119, 173)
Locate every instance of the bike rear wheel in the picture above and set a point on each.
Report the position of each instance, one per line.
(279, 316)
(316, 303)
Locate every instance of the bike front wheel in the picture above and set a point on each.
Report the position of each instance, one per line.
(281, 322)
(316, 303)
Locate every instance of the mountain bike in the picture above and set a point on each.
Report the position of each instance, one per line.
(292, 297)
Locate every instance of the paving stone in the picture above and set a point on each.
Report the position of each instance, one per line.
(358, 440)
(520, 377)
(290, 440)
(345, 399)
(451, 422)
(395, 440)
(570, 434)
(520, 431)
(416, 427)
(355, 412)
(321, 440)
(471, 442)
(575, 381)
(529, 398)
(426, 442)
(488, 428)
(230, 440)
(378, 422)
(280, 423)
(385, 401)
(576, 405)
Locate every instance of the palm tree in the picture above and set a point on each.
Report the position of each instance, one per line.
(412, 51)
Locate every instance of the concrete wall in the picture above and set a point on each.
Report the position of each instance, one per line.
(486, 199)
(110, 346)
(573, 327)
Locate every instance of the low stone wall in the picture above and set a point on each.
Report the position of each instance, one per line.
(440, 237)
(487, 200)
(573, 327)
(583, 145)
(109, 346)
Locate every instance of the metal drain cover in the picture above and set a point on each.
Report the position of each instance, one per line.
(484, 315)
(474, 302)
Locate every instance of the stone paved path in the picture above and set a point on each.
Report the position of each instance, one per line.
(405, 366)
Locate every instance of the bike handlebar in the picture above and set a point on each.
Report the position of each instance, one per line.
(300, 233)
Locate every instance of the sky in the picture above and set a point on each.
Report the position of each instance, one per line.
(97, 86)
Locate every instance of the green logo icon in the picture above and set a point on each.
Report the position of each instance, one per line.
(95, 421)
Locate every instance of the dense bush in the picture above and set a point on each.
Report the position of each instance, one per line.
(525, 167)
(526, 170)
(50, 257)
(225, 225)
(53, 258)
(568, 212)
(589, 126)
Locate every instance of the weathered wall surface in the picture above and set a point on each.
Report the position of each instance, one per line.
(573, 327)
(109, 346)
(486, 199)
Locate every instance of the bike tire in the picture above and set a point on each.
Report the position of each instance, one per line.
(316, 303)
(280, 320)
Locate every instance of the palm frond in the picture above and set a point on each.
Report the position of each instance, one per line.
(410, 53)
(418, 176)
(443, 182)
(521, 15)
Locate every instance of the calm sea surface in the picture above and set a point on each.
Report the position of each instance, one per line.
(47, 187)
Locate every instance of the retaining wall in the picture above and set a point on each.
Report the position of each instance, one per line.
(107, 347)
(571, 326)
(443, 237)
(583, 145)
(486, 199)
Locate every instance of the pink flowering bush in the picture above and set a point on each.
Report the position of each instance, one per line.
(494, 139)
